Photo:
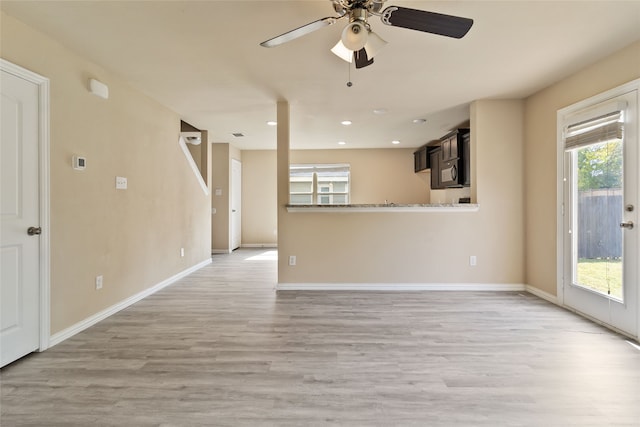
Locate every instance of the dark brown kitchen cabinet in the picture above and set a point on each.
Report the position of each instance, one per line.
(421, 160)
(422, 157)
(449, 148)
(435, 160)
(452, 144)
(466, 159)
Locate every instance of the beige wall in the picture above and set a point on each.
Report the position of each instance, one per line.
(376, 176)
(423, 247)
(540, 153)
(133, 237)
(196, 153)
(259, 198)
(220, 173)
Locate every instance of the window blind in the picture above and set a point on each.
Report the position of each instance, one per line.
(599, 129)
(320, 169)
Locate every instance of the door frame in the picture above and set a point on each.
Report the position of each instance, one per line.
(44, 199)
(631, 86)
(236, 190)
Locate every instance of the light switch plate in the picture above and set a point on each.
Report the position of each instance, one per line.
(79, 163)
(121, 183)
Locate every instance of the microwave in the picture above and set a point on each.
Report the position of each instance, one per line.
(451, 173)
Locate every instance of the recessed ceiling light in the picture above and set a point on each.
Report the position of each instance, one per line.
(419, 121)
(395, 142)
(380, 111)
(346, 122)
(341, 143)
(272, 123)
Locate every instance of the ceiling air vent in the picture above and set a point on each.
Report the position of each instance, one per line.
(238, 134)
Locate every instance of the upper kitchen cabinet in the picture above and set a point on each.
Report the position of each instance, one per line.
(466, 159)
(422, 157)
(421, 160)
(435, 157)
(453, 144)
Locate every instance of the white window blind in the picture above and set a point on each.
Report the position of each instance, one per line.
(603, 128)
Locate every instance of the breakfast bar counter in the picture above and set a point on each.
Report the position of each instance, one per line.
(387, 207)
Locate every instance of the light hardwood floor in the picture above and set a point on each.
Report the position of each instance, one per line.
(222, 348)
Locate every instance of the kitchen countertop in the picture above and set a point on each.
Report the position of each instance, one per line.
(387, 207)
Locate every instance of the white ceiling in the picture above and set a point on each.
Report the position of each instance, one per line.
(202, 59)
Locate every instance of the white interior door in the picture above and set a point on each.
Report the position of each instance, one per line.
(236, 204)
(19, 200)
(600, 228)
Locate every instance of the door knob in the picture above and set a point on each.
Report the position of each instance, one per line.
(34, 231)
(628, 225)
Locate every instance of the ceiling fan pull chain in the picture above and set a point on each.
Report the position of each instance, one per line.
(349, 83)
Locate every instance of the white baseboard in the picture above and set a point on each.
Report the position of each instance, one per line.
(92, 320)
(259, 245)
(542, 294)
(220, 251)
(400, 287)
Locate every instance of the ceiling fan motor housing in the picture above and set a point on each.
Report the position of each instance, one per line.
(342, 7)
(358, 14)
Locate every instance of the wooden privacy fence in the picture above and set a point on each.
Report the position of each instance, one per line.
(599, 217)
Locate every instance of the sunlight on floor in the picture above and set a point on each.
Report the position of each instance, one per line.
(264, 256)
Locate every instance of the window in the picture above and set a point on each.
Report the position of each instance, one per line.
(595, 151)
(321, 184)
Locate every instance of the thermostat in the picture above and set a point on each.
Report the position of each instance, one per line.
(79, 163)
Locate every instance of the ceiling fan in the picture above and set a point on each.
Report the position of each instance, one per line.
(359, 43)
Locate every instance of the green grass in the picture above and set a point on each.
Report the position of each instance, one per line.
(601, 275)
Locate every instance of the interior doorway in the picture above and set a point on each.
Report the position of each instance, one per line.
(236, 204)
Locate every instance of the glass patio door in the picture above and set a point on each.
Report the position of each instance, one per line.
(600, 277)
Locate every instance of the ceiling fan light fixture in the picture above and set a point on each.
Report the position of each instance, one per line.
(374, 44)
(355, 36)
(342, 52)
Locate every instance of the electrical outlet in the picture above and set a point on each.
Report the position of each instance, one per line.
(292, 260)
(473, 260)
(99, 280)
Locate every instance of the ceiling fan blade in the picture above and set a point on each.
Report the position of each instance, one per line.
(429, 22)
(299, 32)
(361, 58)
